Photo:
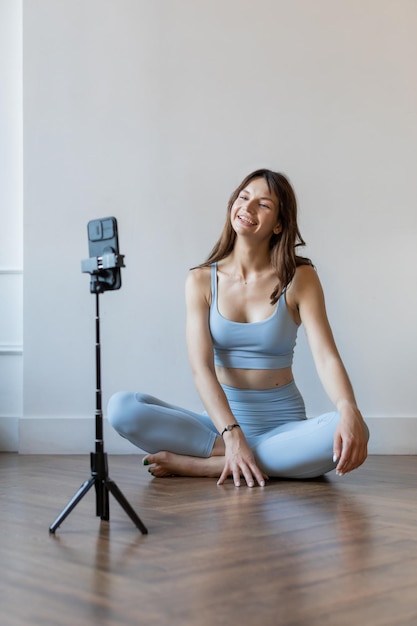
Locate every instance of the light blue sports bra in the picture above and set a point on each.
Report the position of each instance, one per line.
(268, 344)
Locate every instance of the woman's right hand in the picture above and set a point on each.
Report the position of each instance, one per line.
(239, 461)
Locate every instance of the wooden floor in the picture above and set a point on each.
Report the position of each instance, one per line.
(331, 552)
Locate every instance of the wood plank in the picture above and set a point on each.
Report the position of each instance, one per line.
(328, 551)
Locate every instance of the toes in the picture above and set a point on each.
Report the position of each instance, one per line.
(153, 470)
(160, 472)
(158, 457)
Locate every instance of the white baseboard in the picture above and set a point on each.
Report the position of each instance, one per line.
(389, 435)
(392, 435)
(9, 434)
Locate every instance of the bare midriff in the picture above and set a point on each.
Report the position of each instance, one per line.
(254, 379)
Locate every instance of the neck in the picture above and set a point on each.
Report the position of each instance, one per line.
(247, 263)
(253, 258)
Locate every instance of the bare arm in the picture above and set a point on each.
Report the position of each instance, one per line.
(350, 444)
(238, 456)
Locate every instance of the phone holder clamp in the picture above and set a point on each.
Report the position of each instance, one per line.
(99, 267)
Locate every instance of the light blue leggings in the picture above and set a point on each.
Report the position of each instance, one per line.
(284, 442)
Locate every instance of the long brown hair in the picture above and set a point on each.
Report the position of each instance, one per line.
(282, 245)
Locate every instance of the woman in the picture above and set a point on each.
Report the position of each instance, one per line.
(244, 307)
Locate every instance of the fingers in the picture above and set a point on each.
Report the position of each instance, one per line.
(260, 477)
(351, 458)
(236, 477)
(350, 445)
(337, 449)
(235, 473)
(251, 475)
(348, 453)
(223, 476)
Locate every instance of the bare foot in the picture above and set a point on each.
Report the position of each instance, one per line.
(165, 464)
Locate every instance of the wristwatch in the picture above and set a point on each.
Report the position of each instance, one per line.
(230, 427)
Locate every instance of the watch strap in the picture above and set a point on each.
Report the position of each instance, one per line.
(229, 428)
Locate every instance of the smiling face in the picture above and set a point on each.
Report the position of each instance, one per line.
(255, 211)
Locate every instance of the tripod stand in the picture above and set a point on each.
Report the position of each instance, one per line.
(99, 465)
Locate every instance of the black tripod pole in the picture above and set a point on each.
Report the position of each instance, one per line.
(99, 465)
(99, 459)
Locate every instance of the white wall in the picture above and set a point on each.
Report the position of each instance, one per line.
(153, 112)
(11, 221)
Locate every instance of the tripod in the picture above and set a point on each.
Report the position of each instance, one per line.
(99, 465)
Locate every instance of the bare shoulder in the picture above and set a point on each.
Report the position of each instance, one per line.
(305, 276)
(304, 286)
(198, 283)
(199, 277)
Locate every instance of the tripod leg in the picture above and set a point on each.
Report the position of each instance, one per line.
(114, 489)
(72, 503)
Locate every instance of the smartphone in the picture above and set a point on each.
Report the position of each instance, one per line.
(103, 240)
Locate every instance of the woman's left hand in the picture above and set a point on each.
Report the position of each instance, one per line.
(350, 446)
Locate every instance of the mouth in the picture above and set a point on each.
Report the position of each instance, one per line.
(246, 220)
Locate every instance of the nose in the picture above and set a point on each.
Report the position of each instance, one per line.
(250, 205)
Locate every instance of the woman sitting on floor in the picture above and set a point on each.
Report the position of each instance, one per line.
(244, 307)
